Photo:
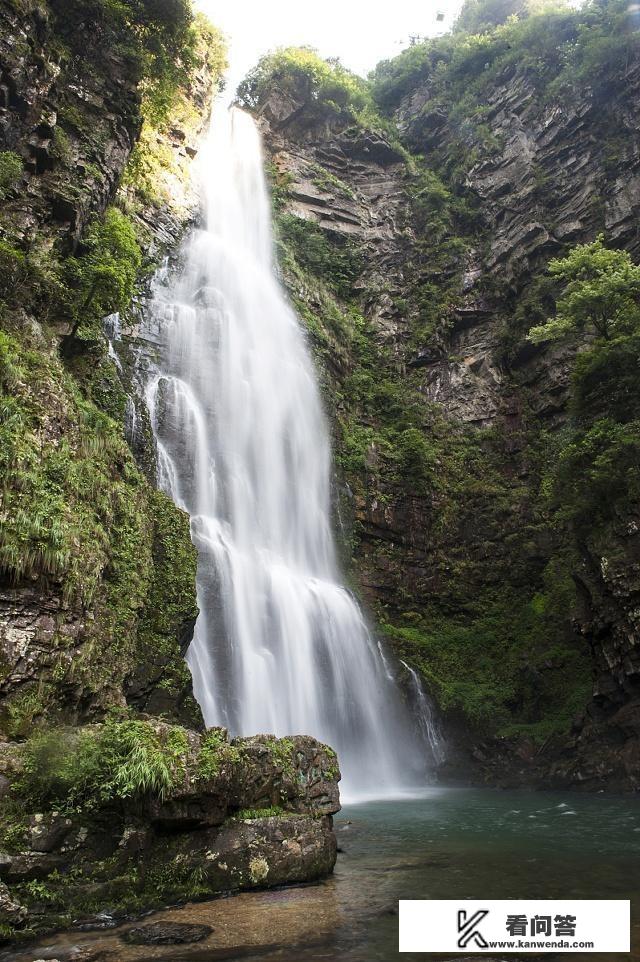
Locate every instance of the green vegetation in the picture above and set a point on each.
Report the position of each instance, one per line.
(79, 290)
(301, 70)
(61, 500)
(170, 608)
(557, 46)
(77, 518)
(445, 226)
(248, 814)
(508, 663)
(102, 280)
(216, 754)
(86, 769)
(281, 754)
(157, 37)
(10, 170)
(333, 259)
(153, 168)
(498, 659)
(595, 478)
(601, 293)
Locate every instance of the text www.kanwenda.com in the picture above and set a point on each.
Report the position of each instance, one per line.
(534, 944)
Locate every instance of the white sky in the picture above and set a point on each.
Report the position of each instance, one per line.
(360, 32)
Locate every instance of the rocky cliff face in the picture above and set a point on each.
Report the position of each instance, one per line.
(73, 137)
(447, 418)
(558, 170)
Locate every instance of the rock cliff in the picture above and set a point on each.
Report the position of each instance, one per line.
(448, 421)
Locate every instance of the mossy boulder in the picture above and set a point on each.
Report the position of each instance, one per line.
(138, 813)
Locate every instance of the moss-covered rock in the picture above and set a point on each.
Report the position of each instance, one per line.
(139, 813)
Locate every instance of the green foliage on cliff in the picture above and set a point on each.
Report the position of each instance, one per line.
(601, 292)
(606, 382)
(445, 227)
(594, 479)
(10, 170)
(478, 16)
(504, 665)
(333, 259)
(77, 514)
(557, 46)
(78, 521)
(60, 498)
(302, 70)
(102, 280)
(155, 34)
(75, 290)
(154, 168)
(90, 768)
(171, 607)
(506, 660)
(216, 754)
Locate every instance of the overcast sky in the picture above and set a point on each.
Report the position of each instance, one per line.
(360, 32)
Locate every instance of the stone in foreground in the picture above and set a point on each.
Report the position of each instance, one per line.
(241, 814)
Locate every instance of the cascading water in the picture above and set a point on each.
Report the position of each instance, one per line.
(280, 645)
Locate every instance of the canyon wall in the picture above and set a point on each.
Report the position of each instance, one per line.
(415, 244)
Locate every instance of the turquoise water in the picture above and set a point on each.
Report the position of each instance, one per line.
(474, 843)
(480, 843)
(449, 843)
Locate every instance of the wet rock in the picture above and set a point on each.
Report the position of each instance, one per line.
(166, 933)
(49, 832)
(11, 911)
(260, 816)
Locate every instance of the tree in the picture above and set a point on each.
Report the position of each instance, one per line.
(601, 293)
(478, 16)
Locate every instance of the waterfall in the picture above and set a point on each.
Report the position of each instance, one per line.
(426, 716)
(280, 645)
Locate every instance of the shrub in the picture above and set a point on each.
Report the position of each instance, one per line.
(332, 258)
(598, 475)
(102, 280)
(10, 170)
(215, 753)
(416, 458)
(601, 293)
(304, 73)
(89, 768)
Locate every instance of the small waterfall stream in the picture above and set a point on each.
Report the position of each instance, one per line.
(280, 645)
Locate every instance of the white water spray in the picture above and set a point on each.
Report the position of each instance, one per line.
(280, 645)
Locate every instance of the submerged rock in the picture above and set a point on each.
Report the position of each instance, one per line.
(167, 933)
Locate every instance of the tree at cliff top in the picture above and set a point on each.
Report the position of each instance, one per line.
(301, 70)
(479, 16)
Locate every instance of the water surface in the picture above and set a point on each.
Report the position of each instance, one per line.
(448, 843)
